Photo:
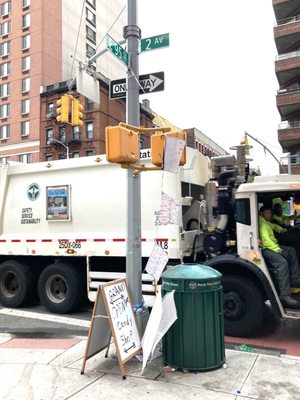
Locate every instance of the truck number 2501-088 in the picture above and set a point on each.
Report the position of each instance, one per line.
(66, 244)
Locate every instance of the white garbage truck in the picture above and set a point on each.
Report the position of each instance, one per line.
(63, 231)
(63, 226)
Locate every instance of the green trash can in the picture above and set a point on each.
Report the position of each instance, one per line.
(196, 340)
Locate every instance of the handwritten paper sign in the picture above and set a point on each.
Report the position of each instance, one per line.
(156, 262)
(113, 316)
(122, 319)
(168, 213)
(173, 150)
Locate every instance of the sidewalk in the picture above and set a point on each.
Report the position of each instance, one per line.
(42, 369)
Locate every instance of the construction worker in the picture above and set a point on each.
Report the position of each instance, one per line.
(282, 258)
(279, 218)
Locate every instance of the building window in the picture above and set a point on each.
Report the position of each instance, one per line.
(5, 8)
(25, 21)
(4, 160)
(48, 157)
(25, 128)
(89, 153)
(25, 63)
(50, 108)
(5, 28)
(25, 42)
(90, 51)
(5, 90)
(89, 104)
(26, 3)
(89, 130)
(75, 154)
(4, 132)
(62, 133)
(25, 158)
(92, 3)
(25, 106)
(62, 156)
(49, 134)
(5, 69)
(90, 16)
(25, 85)
(5, 111)
(76, 132)
(90, 34)
(5, 48)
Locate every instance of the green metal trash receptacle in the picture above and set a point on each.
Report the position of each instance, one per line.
(196, 340)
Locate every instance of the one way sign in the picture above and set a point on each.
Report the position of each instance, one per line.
(149, 83)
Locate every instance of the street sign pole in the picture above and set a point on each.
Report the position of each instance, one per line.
(132, 34)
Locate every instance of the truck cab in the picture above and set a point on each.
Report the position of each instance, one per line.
(247, 279)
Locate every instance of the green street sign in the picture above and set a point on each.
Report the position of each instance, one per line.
(155, 42)
(117, 50)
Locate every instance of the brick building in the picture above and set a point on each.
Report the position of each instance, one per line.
(38, 42)
(287, 68)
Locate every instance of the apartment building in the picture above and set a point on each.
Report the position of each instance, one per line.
(42, 42)
(287, 68)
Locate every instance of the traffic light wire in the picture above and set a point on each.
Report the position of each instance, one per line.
(78, 33)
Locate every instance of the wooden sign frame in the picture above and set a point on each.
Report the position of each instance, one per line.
(103, 343)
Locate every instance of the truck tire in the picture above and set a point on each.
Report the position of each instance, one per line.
(17, 284)
(243, 306)
(60, 288)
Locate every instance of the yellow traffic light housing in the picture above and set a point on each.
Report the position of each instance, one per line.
(246, 142)
(158, 147)
(77, 113)
(122, 145)
(63, 109)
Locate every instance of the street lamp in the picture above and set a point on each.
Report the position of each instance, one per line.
(66, 146)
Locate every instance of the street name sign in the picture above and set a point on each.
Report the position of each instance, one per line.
(117, 50)
(149, 83)
(155, 42)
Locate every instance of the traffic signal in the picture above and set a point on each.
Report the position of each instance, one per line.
(77, 113)
(122, 145)
(158, 147)
(63, 111)
(246, 142)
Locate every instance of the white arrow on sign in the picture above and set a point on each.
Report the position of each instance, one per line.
(151, 83)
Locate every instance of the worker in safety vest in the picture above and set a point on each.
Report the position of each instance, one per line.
(279, 218)
(282, 258)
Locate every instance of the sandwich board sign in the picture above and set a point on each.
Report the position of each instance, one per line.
(113, 316)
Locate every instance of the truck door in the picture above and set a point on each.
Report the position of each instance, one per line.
(247, 227)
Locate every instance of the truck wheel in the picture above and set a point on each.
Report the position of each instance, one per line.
(243, 306)
(17, 284)
(60, 288)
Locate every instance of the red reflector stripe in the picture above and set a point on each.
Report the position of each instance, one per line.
(80, 240)
(16, 240)
(118, 240)
(46, 240)
(99, 240)
(30, 240)
(2, 241)
(162, 240)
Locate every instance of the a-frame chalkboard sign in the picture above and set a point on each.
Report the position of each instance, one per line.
(113, 316)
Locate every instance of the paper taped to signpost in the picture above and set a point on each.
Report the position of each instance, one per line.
(169, 210)
(172, 153)
(156, 262)
(162, 317)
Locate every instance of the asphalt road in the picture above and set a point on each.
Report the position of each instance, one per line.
(277, 337)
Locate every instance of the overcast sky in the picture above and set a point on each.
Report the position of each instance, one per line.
(219, 69)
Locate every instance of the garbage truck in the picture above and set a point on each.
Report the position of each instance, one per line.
(63, 230)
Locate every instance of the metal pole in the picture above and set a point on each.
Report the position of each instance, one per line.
(132, 34)
(67, 146)
(289, 164)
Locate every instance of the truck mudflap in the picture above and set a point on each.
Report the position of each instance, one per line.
(232, 263)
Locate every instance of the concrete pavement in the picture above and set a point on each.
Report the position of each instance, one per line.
(41, 369)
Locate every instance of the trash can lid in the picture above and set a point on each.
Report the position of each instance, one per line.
(191, 271)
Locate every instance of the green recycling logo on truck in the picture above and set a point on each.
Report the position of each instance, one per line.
(33, 191)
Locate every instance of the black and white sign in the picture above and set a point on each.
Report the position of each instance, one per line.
(150, 83)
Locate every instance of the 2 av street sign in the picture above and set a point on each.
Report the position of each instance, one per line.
(155, 42)
(149, 83)
(117, 50)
